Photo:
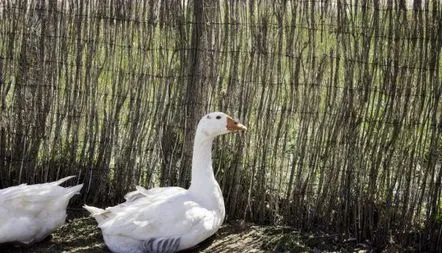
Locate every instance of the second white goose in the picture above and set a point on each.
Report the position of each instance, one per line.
(29, 213)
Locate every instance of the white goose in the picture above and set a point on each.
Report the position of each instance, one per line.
(169, 219)
(29, 213)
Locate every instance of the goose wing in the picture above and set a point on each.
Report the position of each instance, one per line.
(166, 218)
(152, 195)
(30, 198)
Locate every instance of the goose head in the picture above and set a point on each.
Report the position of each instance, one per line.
(218, 123)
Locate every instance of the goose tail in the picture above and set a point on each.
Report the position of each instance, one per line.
(71, 191)
(98, 214)
(60, 181)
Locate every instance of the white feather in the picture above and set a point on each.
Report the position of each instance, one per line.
(29, 213)
(170, 218)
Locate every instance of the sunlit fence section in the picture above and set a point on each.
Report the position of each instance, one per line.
(342, 100)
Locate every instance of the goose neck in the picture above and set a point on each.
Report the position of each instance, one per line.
(202, 172)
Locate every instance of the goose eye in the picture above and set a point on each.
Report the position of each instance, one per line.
(218, 117)
(208, 116)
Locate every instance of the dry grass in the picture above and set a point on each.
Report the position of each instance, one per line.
(82, 235)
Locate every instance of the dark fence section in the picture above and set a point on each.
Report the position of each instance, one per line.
(342, 99)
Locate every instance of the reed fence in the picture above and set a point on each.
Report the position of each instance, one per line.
(342, 100)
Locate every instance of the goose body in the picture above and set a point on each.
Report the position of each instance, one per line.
(29, 213)
(169, 219)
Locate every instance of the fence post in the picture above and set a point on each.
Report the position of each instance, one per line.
(194, 96)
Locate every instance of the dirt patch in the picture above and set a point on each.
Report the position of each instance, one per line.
(82, 235)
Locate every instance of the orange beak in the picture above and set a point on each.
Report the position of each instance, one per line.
(233, 125)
